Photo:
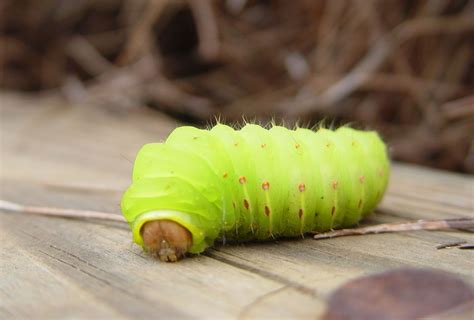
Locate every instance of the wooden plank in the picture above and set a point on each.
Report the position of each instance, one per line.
(309, 268)
(27, 286)
(430, 185)
(80, 157)
(325, 264)
(89, 147)
(100, 260)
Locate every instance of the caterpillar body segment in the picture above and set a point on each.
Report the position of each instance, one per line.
(256, 183)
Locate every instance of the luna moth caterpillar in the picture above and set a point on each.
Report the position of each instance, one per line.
(251, 184)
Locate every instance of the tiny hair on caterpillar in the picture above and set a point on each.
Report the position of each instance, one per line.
(201, 185)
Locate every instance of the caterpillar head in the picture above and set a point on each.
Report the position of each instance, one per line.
(167, 239)
(173, 204)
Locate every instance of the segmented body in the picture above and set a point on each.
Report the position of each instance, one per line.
(256, 183)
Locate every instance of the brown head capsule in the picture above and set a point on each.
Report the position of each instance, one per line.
(167, 239)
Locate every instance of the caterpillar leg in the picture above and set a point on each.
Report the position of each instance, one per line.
(167, 239)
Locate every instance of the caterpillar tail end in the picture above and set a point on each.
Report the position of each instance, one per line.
(167, 239)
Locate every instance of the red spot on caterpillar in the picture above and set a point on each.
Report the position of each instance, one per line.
(266, 185)
(300, 213)
(301, 187)
(362, 179)
(242, 180)
(334, 184)
(360, 204)
(225, 175)
(263, 145)
(333, 210)
(267, 211)
(297, 145)
(246, 204)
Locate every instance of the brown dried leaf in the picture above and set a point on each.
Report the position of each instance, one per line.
(402, 294)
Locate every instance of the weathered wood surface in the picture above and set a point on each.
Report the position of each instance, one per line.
(80, 157)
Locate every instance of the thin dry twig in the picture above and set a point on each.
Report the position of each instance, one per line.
(85, 54)
(60, 212)
(207, 30)
(140, 38)
(375, 58)
(128, 86)
(442, 224)
(403, 83)
(459, 109)
(462, 223)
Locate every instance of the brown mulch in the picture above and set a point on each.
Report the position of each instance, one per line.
(405, 68)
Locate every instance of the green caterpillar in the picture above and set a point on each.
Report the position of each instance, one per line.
(256, 183)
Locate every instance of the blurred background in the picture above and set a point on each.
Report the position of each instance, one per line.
(404, 68)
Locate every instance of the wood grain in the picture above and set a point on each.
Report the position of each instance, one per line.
(81, 157)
